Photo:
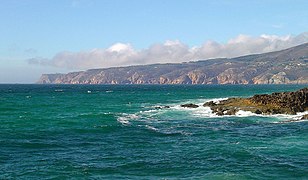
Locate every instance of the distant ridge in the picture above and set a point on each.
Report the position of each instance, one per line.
(289, 66)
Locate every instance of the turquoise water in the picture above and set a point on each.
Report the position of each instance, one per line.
(115, 132)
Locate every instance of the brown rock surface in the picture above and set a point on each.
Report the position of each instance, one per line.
(275, 103)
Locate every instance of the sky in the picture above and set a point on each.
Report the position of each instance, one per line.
(60, 36)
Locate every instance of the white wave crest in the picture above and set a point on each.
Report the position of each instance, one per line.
(125, 118)
(216, 100)
(151, 128)
(242, 113)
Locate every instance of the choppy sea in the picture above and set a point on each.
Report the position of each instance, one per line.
(125, 132)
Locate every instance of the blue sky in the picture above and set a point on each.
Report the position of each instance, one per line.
(35, 33)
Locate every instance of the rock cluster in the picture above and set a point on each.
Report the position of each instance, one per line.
(222, 108)
(275, 103)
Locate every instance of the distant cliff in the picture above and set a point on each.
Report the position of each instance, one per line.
(288, 66)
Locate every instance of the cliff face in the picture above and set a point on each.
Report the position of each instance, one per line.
(288, 66)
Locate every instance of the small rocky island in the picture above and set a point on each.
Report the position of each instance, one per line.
(275, 103)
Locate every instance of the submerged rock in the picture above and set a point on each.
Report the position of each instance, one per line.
(190, 105)
(275, 103)
(162, 107)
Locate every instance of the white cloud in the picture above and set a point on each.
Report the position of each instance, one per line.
(120, 47)
(121, 54)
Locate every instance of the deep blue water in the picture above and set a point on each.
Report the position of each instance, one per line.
(116, 132)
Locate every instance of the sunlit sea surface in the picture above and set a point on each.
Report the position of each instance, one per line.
(125, 131)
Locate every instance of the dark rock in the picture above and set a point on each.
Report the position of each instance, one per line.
(276, 111)
(304, 117)
(210, 104)
(190, 105)
(258, 111)
(220, 113)
(162, 107)
(231, 111)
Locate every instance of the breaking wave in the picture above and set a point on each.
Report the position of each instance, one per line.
(161, 113)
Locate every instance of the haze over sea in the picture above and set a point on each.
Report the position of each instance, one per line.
(118, 131)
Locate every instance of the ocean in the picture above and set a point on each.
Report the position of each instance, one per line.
(126, 132)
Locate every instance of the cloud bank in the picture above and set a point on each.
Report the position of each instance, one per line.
(121, 54)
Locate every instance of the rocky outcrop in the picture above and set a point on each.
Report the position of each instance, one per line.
(275, 103)
(286, 102)
(226, 107)
(288, 66)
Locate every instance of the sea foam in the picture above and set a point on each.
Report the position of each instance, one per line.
(125, 118)
(174, 111)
